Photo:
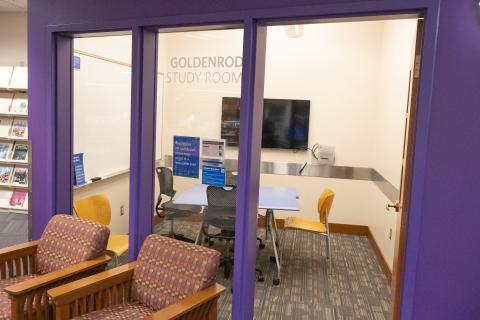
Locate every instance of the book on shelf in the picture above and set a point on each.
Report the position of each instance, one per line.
(5, 149)
(19, 128)
(17, 200)
(20, 152)
(5, 196)
(5, 75)
(19, 78)
(5, 175)
(5, 126)
(19, 104)
(6, 99)
(20, 177)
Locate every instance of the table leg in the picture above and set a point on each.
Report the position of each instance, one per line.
(198, 240)
(274, 223)
(271, 222)
(267, 223)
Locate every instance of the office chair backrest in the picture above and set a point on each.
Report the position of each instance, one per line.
(222, 197)
(165, 179)
(325, 204)
(94, 208)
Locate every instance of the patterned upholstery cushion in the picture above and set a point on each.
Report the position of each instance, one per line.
(68, 240)
(169, 270)
(5, 303)
(128, 311)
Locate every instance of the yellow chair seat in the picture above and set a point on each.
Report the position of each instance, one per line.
(118, 244)
(305, 225)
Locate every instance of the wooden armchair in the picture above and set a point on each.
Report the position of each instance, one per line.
(69, 249)
(170, 280)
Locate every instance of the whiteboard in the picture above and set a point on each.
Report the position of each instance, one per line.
(102, 106)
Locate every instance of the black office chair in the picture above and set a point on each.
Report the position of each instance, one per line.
(220, 213)
(232, 180)
(168, 209)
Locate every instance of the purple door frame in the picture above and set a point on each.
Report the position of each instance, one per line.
(142, 143)
(56, 197)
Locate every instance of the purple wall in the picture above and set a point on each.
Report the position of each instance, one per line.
(448, 282)
(442, 263)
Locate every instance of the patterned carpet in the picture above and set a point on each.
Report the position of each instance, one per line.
(356, 288)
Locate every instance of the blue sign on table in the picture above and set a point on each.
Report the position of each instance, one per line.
(186, 156)
(213, 176)
(79, 172)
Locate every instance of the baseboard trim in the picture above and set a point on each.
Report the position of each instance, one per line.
(380, 256)
(280, 222)
(353, 229)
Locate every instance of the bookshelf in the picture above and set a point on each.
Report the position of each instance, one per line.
(15, 158)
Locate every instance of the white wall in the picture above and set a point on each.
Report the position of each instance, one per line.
(13, 39)
(336, 67)
(389, 128)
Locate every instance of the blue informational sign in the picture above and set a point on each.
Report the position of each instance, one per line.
(76, 62)
(78, 169)
(186, 156)
(213, 175)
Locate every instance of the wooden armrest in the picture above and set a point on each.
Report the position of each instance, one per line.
(71, 291)
(19, 250)
(183, 306)
(49, 278)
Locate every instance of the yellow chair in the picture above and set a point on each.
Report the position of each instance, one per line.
(97, 208)
(320, 227)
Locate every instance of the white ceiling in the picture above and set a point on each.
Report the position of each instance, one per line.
(13, 5)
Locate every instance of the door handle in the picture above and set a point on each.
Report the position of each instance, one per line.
(395, 206)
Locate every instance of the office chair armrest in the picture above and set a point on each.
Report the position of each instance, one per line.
(201, 303)
(92, 293)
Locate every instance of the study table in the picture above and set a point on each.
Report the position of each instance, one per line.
(270, 199)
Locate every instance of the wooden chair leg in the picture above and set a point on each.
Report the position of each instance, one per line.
(18, 307)
(212, 313)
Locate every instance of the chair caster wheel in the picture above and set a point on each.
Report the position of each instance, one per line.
(261, 245)
(211, 243)
(272, 259)
(276, 282)
(261, 279)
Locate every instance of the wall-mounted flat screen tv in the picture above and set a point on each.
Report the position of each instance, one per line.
(285, 123)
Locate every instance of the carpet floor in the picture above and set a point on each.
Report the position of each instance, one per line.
(356, 287)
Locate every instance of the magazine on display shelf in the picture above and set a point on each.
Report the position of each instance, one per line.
(20, 177)
(20, 152)
(5, 175)
(17, 200)
(19, 128)
(19, 104)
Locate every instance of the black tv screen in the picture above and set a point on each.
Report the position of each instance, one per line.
(285, 123)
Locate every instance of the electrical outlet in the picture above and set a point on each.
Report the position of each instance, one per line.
(390, 232)
(122, 210)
